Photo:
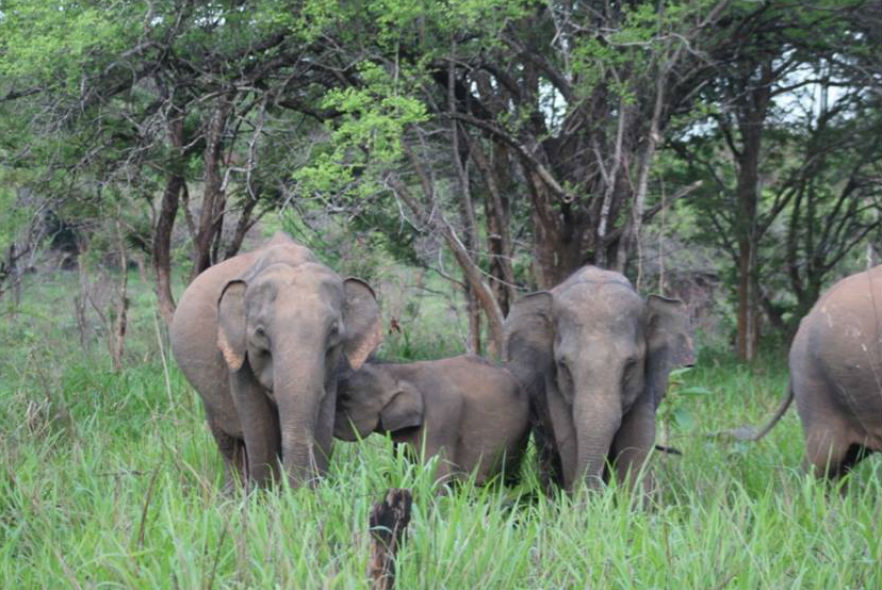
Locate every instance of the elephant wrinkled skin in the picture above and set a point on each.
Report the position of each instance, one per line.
(836, 375)
(465, 409)
(262, 338)
(595, 358)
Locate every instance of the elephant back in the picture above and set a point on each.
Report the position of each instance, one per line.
(290, 254)
(842, 332)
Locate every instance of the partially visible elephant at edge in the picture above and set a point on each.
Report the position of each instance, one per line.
(465, 409)
(262, 338)
(595, 359)
(836, 375)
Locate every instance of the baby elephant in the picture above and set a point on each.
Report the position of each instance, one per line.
(472, 413)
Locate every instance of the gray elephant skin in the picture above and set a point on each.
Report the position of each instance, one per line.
(595, 358)
(475, 415)
(262, 337)
(836, 375)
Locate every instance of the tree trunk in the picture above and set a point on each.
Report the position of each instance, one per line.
(162, 245)
(558, 249)
(745, 343)
(168, 211)
(473, 346)
(467, 219)
(244, 224)
(472, 273)
(120, 313)
(611, 183)
(497, 173)
(631, 241)
(751, 119)
(466, 210)
(213, 196)
(496, 206)
(81, 300)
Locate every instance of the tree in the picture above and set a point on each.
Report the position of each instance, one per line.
(548, 115)
(756, 86)
(167, 94)
(837, 195)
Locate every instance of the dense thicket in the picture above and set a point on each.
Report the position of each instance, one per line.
(511, 140)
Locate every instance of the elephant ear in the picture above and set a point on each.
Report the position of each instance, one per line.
(529, 332)
(529, 354)
(231, 324)
(404, 410)
(668, 342)
(361, 317)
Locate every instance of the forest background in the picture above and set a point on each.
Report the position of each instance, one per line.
(456, 155)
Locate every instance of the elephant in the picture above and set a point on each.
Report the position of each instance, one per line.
(594, 357)
(474, 414)
(836, 376)
(263, 338)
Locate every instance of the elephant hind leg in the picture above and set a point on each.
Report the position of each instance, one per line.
(232, 450)
(551, 474)
(855, 454)
(513, 460)
(831, 452)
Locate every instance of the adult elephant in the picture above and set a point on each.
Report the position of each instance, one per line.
(262, 337)
(595, 358)
(836, 375)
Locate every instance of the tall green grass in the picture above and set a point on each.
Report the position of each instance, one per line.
(112, 480)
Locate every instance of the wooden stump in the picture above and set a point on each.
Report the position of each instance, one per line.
(388, 521)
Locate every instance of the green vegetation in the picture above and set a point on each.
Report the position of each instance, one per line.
(455, 155)
(112, 480)
(730, 145)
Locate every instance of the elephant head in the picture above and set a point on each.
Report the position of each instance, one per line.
(372, 400)
(285, 332)
(593, 354)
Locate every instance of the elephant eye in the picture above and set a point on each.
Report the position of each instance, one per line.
(260, 335)
(334, 333)
(564, 377)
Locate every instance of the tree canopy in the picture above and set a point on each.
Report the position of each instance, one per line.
(511, 140)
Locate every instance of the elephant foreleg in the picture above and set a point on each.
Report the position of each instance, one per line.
(324, 431)
(232, 450)
(427, 445)
(564, 433)
(633, 443)
(260, 428)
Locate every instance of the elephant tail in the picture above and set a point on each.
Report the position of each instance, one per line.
(669, 450)
(785, 403)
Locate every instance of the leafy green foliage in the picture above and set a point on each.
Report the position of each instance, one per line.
(373, 120)
(47, 43)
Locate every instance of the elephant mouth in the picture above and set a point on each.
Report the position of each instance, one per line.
(271, 396)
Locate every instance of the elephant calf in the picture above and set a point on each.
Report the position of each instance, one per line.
(475, 415)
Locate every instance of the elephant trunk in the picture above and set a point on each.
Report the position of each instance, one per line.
(299, 390)
(598, 415)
